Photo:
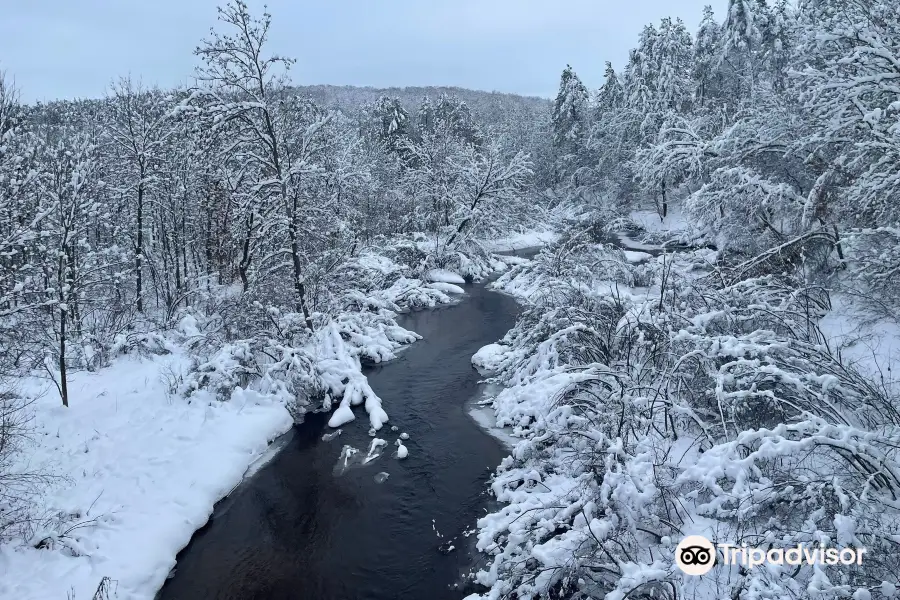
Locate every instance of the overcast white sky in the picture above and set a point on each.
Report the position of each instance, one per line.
(75, 48)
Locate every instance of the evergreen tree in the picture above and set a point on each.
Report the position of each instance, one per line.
(569, 123)
(707, 49)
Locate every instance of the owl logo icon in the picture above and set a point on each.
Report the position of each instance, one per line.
(695, 555)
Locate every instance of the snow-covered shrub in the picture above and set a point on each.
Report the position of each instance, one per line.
(140, 343)
(741, 209)
(406, 252)
(711, 409)
(413, 293)
(293, 378)
(573, 261)
(341, 375)
(231, 366)
(17, 487)
(373, 337)
(471, 260)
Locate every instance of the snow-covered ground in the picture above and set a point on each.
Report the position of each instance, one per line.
(136, 473)
(649, 220)
(871, 346)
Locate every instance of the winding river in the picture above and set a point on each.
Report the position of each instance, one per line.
(297, 529)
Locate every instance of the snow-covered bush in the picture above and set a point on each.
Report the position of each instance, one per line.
(140, 343)
(17, 486)
(231, 366)
(574, 261)
(293, 378)
(704, 407)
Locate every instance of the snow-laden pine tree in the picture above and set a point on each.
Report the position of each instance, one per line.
(611, 95)
(570, 123)
(640, 72)
(673, 87)
(742, 34)
(706, 60)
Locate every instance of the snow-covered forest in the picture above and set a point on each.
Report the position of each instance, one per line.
(707, 339)
(740, 383)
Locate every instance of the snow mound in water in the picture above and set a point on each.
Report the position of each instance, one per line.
(402, 451)
(634, 257)
(446, 287)
(342, 375)
(343, 414)
(443, 275)
(488, 358)
(381, 477)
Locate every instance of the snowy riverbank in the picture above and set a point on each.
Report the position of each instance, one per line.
(632, 395)
(135, 466)
(135, 473)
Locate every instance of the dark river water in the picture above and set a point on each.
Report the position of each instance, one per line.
(296, 530)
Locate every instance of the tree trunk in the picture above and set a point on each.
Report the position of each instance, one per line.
(139, 246)
(299, 287)
(61, 280)
(63, 387)
(665, 203)
(837, 245)
(244, 265)
(184, 240)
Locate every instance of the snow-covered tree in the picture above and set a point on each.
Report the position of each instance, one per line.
(246, 91)
(707, 50)
(137, 132)
(570, 122)
(611, 95)
(848, 80)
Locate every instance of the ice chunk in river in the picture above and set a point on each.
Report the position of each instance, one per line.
(374, 450)
(330, 436)
(381, 477)
(402, 452)
(345, 459)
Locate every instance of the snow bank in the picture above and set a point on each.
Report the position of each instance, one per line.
(650, 221)
(872, 346)
(519, 241)
(445, 276)
(636, 257)
(139, 471)
(629, 404)
(446, 287)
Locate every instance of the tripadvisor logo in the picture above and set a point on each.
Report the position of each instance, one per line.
(696, 555)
